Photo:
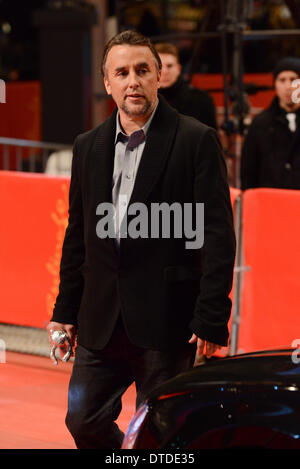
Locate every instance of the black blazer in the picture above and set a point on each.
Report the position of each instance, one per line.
(163, 291)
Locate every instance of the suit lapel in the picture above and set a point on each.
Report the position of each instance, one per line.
(159, 140)
(103, 159)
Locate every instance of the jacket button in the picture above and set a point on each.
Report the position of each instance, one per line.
(288, 166)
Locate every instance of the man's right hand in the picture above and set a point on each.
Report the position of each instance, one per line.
(69, 329)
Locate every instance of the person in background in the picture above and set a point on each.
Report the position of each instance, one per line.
(185, 98)
(271, 149)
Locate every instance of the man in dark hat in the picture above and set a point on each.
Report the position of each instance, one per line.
(271, 150)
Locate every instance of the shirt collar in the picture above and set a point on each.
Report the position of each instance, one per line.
(144, 128)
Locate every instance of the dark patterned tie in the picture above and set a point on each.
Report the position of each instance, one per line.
(135, 139)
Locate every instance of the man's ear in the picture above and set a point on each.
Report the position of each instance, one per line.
(159, 78)
(107, 85)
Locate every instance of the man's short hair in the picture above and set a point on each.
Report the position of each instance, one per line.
(131, 38)
(167, 48)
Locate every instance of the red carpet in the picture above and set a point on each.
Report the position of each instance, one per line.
(33, 403)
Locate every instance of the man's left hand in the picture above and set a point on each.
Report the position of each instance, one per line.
(209, 347)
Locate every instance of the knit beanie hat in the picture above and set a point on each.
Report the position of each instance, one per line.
(288, 63)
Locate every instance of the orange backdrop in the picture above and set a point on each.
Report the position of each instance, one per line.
(270, 310)
(261, 99)
(33, 221)
(20, 115)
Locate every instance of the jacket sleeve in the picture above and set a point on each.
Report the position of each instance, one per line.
(213, 305)
(73, 253)
(250, 159)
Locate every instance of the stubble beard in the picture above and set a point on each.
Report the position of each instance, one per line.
(140, 111)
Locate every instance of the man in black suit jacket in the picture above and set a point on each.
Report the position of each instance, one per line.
(140, 305)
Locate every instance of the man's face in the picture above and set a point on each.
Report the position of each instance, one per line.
(284, 89)
(170, 70)
(132, 78)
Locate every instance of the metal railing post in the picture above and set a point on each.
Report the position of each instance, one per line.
(33, 146)
(237, 278)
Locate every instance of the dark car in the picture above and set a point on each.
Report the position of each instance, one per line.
(249, 400)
